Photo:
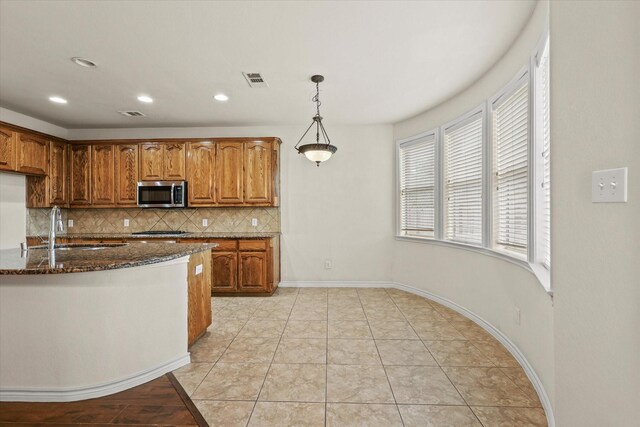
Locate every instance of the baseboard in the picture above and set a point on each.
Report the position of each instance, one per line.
(336, 284)
(504, 340)
(90, 392)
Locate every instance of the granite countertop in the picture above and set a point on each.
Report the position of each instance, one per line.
(204, 235)
(109, 257)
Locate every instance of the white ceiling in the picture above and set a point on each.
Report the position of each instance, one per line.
(383, 60)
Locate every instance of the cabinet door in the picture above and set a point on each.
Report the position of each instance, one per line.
(102, 175)
(151, 161)
(80, 175)
(252, 272)
(224, 267)
(174, 161)
(200, 172)
(58, 173)
(229, 172)
(257, 172)
(33, 155)
(8, 141)
(126, 174)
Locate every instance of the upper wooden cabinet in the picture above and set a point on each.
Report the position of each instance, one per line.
(103, 190)
(80, 175)
(8, 149)
(258, 176)
(126, 179)
(33, 154)
(229, 172)
(58, 173)
(162, 161)
(174, 161)
(200, 172)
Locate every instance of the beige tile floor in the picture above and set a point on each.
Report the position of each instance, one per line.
(353, 357)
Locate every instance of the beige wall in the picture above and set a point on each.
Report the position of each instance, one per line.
(341, 211)
(12, 210)
(595, 107)
(491, 288)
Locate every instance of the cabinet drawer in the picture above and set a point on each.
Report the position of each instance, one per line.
(225, 245)
(253, 245)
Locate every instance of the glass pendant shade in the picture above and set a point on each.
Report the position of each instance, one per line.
(318, 152)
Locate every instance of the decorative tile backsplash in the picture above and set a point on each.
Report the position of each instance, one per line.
(112, 220)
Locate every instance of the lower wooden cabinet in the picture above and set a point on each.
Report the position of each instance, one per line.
(199, 295)
(244, 265)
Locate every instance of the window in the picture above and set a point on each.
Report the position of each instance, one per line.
(483, 181)
(510, 126)
(543, 153)
(463, 181)
(417, 186)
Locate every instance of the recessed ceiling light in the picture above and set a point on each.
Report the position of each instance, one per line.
(84, 62)
(145, 98)
(221, 97)
(57, 100)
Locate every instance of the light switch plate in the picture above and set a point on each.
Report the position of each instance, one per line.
(70, 223)
(609, 186)
(198, 269)
(126, 222)
(205, 222)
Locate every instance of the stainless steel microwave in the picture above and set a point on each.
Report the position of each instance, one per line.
(162, 194)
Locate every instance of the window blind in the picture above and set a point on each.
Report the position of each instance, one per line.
(545, 115)
(463, 181)
(417, 187)
(511, 141)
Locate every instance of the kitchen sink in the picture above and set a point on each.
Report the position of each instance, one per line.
(82, 246)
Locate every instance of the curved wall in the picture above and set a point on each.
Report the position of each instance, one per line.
(491, 288)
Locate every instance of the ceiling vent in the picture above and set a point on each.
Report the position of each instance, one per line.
(132, 113)
(255, 80)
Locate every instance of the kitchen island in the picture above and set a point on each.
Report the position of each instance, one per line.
(88, 321)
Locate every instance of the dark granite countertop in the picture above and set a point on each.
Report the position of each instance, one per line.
(204, 235)
(80, 259)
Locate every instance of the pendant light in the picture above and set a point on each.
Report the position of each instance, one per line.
(318, 152)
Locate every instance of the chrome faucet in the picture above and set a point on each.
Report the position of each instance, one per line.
(55, 224)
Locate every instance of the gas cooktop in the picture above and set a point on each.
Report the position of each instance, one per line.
(160, 232)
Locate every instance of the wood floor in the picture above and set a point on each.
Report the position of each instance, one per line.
(159, 402)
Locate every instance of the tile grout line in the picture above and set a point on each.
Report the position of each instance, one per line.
(383, 366)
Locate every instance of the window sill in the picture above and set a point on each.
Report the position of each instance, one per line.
(541, 273)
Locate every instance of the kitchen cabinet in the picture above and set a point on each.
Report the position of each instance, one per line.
(102, 175)
(80, 175)
(200, 173)
(229, 172)
(162, 161)
(33, 154)
(126, 178)
(198, 295)
(8, 149)
(244, 265)
(257, 172)
(58, 173)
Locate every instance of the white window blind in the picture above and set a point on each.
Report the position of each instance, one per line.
(417, 187)
(463, 181)
(543, 85)
(511, 141)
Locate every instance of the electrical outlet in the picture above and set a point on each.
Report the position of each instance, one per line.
(517, 315)
(126, 222)
(70, 223)
(198, 269)
(205, 222)
(328, 265)
(254, 222)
